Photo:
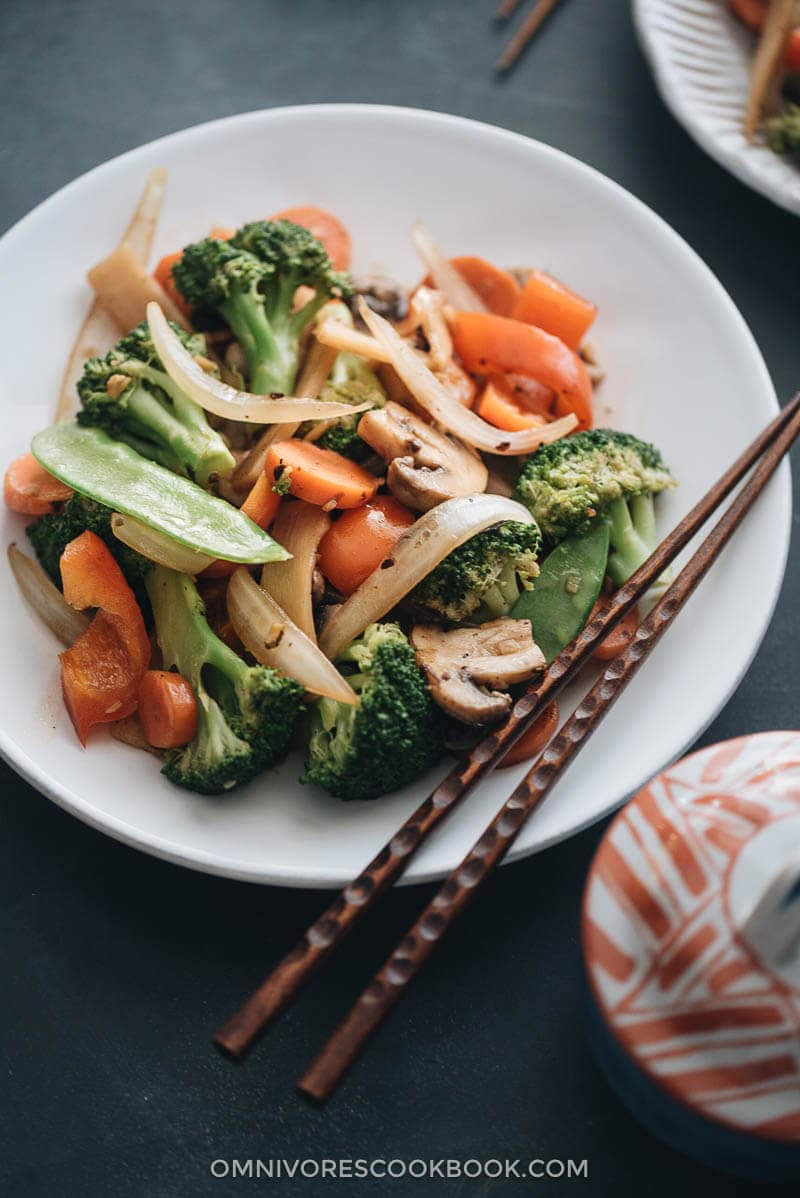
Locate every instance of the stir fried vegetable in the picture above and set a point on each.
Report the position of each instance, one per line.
(404, 588)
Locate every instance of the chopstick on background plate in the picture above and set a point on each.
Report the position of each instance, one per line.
(283, 984)
(526, 32)
(382, 993)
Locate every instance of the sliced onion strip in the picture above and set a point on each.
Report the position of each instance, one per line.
(299, 527)
(274, 639)
(418, 551)
(446, 411)
(445, 276)
(223, 400)
(45, 598)
(157, 546)
(340, 337)
(429, 306)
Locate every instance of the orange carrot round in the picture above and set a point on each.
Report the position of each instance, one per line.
(163, 275)
(360, 539)
(489, 344)
(318, 475)
(498, 405)
(29, 489)
(531, 743)
(167, 709)
(261, 505)
(619, 638)
(324, 225)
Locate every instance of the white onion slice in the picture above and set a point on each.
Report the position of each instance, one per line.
(446, 411)
(299, 527)
(266, 631)
(418, 551)
(157, 546)
(445, 276)
(45, 598)
(340, 337)
(223, 400)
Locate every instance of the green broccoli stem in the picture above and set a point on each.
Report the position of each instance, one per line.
(267, 340)
(501, 596)
(173, 444)
(195, 447)
(633, 535)
(187, 642)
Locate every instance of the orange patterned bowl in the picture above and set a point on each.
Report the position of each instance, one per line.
(691, 944)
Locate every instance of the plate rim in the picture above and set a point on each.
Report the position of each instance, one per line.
(293, 876)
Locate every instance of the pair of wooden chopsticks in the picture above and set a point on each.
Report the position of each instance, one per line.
(526, 32)
(283, 984)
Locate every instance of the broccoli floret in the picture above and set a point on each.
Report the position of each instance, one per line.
(51, 534)
(246, 714)
(352, 382)
(569, 483)
(482, 579)
(393, 736)
(783, 132)
(130, 395)
(251, 281)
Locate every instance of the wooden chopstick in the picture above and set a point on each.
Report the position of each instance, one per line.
(280, 988)
(505, 9)
(525, 34)
(382, 993)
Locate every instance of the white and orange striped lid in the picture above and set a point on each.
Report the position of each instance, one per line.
(691, 933)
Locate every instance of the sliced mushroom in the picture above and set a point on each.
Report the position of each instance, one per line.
(463, 664)
(425, 467)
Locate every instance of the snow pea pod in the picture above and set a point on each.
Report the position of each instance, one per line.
(90, 462)
(566, 590)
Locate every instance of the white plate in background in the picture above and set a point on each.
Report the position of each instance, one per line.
(682, 370)
(701, 55)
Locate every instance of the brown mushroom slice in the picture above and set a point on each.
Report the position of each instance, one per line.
(461, 666)
(425, 466)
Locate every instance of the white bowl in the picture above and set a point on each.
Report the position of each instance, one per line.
(683, 370)
(701, 57)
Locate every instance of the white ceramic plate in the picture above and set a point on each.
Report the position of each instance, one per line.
(683, 371)
(701, 57)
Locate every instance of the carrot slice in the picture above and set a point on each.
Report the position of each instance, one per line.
(531, 743)
(163, 271)
(167, 709)
(489, 344)
(320, 476)
(619, 638)
(360, 540)
(498, 405)
(553, 307)
(30, 489)
(324, 225)
(101, 672)
(261, 505)
(163, 275)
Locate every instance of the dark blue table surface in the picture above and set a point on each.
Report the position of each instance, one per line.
(116, 967)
